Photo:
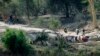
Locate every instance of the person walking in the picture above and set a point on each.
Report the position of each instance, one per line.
(1, 17)
(77, 31)
(83, 31)
(65, 30)
(10, 19)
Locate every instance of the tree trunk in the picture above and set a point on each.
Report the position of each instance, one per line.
(91, 2)
(67, 11)
(67, 14)
(28, 12)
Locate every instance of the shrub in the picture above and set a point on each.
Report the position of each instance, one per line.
(51, 22)
(96, 51)
(83, 52)
(54, 23)
(15, 41)
(42, 37)
(40, 22)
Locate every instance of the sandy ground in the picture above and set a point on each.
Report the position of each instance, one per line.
(3, 26)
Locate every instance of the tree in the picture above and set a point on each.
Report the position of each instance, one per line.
(97, 5)
(16, 42)
(4, 2)
(27, 8)
(40, 7)
(64, 5)
(91, 2)
(3, 6)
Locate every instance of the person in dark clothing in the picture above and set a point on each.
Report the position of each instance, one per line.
(10, 20)
(65, 30)
(83, 30)
(1, 18)
(77, 31)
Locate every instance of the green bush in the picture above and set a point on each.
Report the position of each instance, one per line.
(40, 22)
(96, 51)
(84, 52)
(43, 36)
(54, 23)
(15, 41)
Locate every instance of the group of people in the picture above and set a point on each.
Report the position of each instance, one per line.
(82, 31)
(77, 31)
(8, 19)
(78, 38)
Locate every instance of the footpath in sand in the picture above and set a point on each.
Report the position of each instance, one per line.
(3, 26)
(26, 28)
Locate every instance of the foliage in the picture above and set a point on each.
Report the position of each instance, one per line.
(97, 5)
(36, 8)
(60, 48)
(43, 36)
(40, 22)
(39, 7)
(64, 5)
(26, 7)
(15, 41)
(54, 23)
(3, 4)
(96, 51)
(84, 52)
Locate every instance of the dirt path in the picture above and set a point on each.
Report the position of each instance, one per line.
(3, 26)
(29, 29)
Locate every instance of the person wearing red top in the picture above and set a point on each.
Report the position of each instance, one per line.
(85, 38)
